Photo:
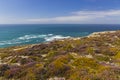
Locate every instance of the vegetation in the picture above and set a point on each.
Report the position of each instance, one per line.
(96, 57)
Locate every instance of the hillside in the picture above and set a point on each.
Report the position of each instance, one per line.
(95, 57)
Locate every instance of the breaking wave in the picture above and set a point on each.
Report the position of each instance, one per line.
(56, 37)
(29, 38)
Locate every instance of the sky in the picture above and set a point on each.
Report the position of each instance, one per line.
(59, 11)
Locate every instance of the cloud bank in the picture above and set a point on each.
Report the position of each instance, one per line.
(77, 17)
(98, 17)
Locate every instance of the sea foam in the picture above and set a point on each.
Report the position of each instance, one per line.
(56, 37)
(28, 38)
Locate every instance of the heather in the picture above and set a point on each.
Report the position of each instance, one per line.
(94, 57)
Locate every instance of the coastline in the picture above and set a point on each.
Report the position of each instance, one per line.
(97, 34)
(91, 53)
(36, 35)
(94, 34)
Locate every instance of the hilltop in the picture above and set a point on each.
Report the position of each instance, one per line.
(94, 57)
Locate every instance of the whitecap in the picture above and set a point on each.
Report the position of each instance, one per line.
(50, 34)
(26, 37)
(56, 37)
(9, 42)
(29, 38)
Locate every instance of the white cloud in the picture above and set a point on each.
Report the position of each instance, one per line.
(61, 19)
(79, 17)
(108, 16)
(98, 13)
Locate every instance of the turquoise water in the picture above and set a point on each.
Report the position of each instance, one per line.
(12, 35)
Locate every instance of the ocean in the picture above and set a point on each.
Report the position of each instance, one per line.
(21, 34)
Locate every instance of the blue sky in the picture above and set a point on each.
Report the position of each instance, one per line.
(59, 11)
